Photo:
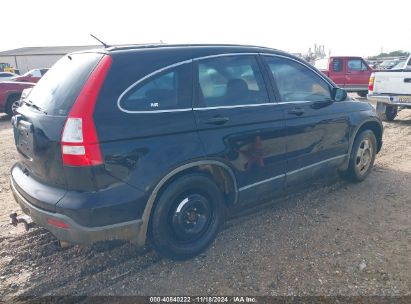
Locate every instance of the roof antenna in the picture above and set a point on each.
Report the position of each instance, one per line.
(105, 45)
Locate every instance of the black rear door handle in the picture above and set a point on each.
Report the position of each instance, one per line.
(407, 80)
(296, 111)
(217, 120)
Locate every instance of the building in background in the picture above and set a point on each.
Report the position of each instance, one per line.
(27, 58)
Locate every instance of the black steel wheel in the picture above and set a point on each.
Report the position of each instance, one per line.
(186, 217)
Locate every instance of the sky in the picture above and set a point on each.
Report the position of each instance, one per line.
(344, 27)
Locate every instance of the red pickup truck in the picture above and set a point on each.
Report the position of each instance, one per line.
(10, 92)
(350, 73)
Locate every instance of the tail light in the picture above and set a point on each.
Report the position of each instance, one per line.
(79, 142)
(371, 83)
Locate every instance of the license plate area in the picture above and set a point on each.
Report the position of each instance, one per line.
(24, 139)
(404, 99)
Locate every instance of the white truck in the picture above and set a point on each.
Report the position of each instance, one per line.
(391, 89)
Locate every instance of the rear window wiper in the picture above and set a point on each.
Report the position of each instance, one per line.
(31, 104)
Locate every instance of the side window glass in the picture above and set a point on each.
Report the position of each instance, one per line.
(355, 64)
(337, 65)
(36, 73)
(229, 81)
(296, 82)
(168, 90)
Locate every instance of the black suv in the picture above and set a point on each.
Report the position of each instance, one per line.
(159, 141)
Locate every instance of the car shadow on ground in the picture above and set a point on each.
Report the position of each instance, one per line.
(4, 117)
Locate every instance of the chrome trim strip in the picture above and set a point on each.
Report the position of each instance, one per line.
(261, 182)
(158, 111)
(316, 164)
(237, 106)
(294, 102)
(291, 172)
(224, 55)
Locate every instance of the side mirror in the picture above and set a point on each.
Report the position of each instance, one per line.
(339, 94)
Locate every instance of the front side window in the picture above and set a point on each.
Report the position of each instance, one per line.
(296, 82)
(356, 65)
(230, 81)
(164, 91)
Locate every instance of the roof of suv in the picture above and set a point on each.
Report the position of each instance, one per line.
(196, 48)
(188, 51)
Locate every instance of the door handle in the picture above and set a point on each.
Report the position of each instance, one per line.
(217, 120)
(296, 111)
(407, 80)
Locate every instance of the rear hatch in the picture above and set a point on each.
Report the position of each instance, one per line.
(39, 124)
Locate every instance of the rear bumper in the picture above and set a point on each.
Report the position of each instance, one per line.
(74, 232)
(388, 99)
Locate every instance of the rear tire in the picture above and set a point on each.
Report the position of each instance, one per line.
(362, 94)
(362, 157)
(13, 103)
(187, 217)
(391, 112)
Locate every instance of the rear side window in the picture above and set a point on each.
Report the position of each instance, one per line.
(230, 81)
(57, 90)
(337, 65)
(168, 90)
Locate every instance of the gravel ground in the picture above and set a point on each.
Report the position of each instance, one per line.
(330, 238)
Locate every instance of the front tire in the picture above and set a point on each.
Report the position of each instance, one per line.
(362, 157)
(12, 104)
(187, 217)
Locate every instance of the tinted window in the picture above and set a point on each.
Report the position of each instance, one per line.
(5, 74)
(337, 65)
(231, 80)
(356, 65)
(58, 89)
(43, 71)
(296, 82)
(168, 90)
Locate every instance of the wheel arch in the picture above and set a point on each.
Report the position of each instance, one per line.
(371, 124)
(218, 171)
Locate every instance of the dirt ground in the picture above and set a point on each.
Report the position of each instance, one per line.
(331, 238)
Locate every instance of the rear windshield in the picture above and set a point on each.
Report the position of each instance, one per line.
(57, 90)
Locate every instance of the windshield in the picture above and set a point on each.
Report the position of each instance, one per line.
(57, 90)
